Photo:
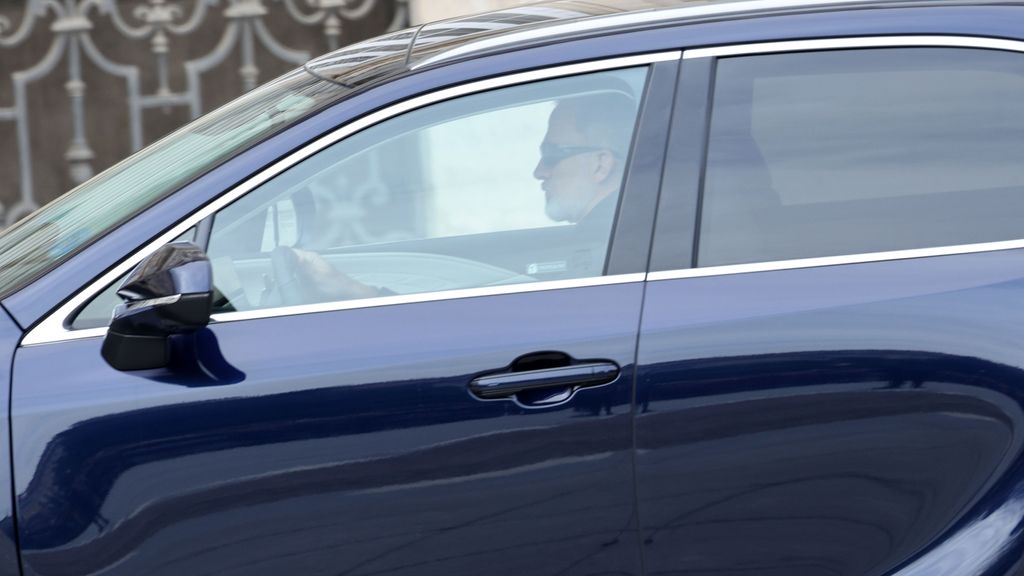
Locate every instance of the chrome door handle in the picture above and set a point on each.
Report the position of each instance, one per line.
(573, 376)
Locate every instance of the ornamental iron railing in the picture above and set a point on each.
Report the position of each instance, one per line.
(84, 83)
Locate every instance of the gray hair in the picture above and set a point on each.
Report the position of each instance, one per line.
(606, 119)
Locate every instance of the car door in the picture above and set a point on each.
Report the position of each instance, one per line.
(466, 408)
(830, 373)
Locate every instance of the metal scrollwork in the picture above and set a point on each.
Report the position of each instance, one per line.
(330, 13)
(67, 46)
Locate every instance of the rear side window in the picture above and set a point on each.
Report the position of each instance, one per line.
(855, 151)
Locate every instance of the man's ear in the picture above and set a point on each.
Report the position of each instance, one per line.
(605, 165)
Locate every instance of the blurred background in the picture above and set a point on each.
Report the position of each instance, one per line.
(84, 83)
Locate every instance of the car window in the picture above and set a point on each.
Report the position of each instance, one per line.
(855, 151)
(53, 233)
(514, 185)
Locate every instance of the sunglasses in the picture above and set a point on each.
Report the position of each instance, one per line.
(552, 154)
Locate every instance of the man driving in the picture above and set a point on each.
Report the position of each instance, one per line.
(580, 170)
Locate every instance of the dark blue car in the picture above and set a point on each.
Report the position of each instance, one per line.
(578, 288)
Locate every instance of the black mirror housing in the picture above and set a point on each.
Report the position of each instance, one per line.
(170, 292)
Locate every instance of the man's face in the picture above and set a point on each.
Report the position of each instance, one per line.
(569, 169)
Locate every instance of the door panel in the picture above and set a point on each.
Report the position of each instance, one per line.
(344, 442)
(324, 423)
(838, 420)
(830, 375)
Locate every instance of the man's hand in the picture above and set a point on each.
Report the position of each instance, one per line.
(321, 282)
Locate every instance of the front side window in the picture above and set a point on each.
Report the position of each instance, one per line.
(514, 185)
(856, 151)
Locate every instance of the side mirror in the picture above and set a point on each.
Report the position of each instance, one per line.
(170, 292)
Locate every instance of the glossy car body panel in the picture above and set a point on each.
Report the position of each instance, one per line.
(343, 442)
(844, 420)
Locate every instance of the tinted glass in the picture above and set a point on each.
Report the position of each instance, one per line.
(514, 185)
(854, 151)
(51, 234)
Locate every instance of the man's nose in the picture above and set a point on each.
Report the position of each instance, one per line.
(541, 171)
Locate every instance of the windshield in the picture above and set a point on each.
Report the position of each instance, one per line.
(53, 233)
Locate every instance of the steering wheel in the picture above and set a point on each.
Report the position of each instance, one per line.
(397, 272)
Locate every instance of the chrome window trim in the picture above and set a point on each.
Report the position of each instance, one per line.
(933, 41)
(463, 293)
(825, 261)
(53, 328)
(656, 16)
(679, 274)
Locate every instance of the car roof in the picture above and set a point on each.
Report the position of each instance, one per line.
(545, 22)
